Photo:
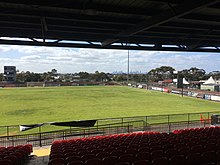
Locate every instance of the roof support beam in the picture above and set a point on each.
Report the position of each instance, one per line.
(33, 39)
(57, 41)
(175, 12)
(195, 45)
(43, 28)
(96, 46)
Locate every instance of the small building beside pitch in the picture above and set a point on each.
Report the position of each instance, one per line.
(211, 85)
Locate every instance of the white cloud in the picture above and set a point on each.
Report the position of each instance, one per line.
(59, 58)
(5, 59)
(4, 49)
(66, 60)
(31, 57)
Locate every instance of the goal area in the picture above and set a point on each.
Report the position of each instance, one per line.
(35, 84)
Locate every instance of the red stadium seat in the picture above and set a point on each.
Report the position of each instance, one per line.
(144, 149)
(117, 153)
(70, 154)
(96, 151)
(168, 146)
(123, 163)
(126, 158)
(170, 152)
(141, 162)
(56, 161)
(197, 149)
(218, 155)
(210, 147)
(102, 155)
(143, 156)
(155, 148)
(177, 159)
(6, 162)
(160, 161)
(81, 153)
(131, 151)
(94, 161)
(157, 154)
(87, 156)
(194, 158)
(184, 151)
(14, 159)
(75, 163)
(54, 156)
(208, 156)
(109, 160)
(72, 158)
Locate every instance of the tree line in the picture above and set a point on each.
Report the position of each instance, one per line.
(191, 74)
(154, 75)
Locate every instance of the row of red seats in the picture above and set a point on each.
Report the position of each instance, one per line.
(138, 159)
(15, 155)
(147, 146)
(209, 131)
(168, 149)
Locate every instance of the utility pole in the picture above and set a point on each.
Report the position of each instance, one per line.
(128, 67)
(179, 81)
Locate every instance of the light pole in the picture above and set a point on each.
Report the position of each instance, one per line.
(128, 67)
(147, 80)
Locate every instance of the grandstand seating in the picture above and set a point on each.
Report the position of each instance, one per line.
(15, 155)
(199, 146)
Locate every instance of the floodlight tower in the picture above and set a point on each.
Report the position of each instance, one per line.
(128, 68)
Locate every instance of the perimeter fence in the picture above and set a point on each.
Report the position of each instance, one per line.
(156, 123)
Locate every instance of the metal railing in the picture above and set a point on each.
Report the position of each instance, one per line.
(156, 123)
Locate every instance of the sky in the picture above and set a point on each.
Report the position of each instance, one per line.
(72, 60)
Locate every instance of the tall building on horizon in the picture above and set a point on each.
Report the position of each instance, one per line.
(10, 74)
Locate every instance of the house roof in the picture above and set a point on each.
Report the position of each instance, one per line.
(184, 81)
(168, 81)
(210, 81)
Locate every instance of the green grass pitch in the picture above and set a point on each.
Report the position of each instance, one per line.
(50, 104)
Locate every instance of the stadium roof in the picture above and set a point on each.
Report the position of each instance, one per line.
(172, 25)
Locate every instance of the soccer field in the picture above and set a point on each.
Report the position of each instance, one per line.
(50, 104)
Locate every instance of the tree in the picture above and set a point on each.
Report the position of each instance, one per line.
(139, 77)
(1, 76)
(104, 77)
(54, 72)
(161, 73)
(101, 76)
(120, 77)
(214, 74)
(20, 77)
(84, 75)
(193, 74)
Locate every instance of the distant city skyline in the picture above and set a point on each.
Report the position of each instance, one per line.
(71, 60)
